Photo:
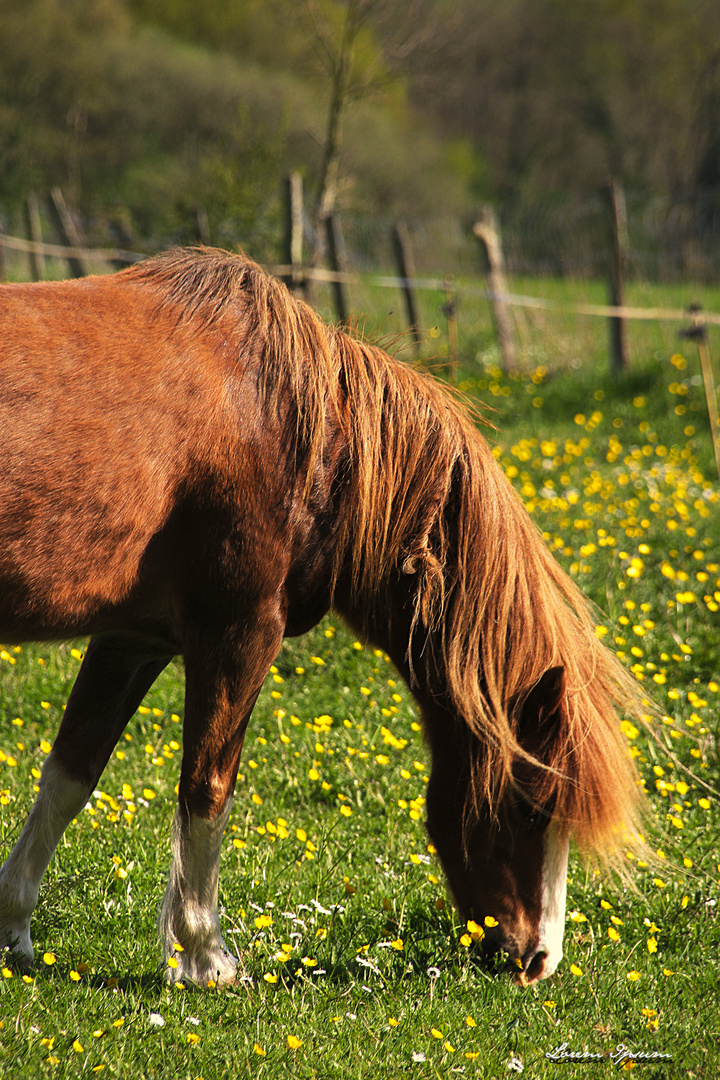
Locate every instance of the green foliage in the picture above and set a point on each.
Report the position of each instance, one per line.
(144, 113)
(133, 125)
(567, 94)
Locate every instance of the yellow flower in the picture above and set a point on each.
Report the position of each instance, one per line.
(397, 944)
(259, 1050)
(436, 1034)
(575, 970)
(633, 976)
(475, 930)
(293, 1042)
(49, 958)
(193, 1039)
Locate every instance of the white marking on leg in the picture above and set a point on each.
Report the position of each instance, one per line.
(189, 915)
(59, 800)
(554, 892)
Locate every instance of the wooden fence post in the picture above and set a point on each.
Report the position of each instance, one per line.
(487, 231)
(698, 334)
(615, 197)
(449, 310)
(293, 242)
(36, 258)
(406, 272)
(68, 231)
(334, 260)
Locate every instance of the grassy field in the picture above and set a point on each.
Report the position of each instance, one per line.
(353, 960)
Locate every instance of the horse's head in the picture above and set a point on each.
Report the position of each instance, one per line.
(507, 867)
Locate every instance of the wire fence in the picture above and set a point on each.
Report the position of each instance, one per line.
(557, 257)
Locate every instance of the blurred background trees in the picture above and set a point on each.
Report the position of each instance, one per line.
(146, 111)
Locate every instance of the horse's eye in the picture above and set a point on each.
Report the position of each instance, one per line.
(531, 816)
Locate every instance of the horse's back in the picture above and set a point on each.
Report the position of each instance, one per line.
(106, 404)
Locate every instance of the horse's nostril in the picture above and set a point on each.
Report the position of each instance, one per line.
(536, 967)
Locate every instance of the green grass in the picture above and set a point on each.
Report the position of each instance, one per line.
(327, 840)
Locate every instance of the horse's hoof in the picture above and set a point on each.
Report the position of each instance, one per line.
(206, 972)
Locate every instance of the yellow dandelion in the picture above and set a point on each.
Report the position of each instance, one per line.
(293, 1042)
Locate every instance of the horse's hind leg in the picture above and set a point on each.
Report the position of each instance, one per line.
(110, 685)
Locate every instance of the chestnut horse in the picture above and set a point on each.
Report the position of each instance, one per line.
(195, 464)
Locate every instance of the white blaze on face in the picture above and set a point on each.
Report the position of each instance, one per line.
(554, 890)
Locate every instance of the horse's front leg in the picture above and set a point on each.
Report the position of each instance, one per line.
(110, 685)
(222, 681)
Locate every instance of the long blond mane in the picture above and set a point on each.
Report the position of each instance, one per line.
(425, 497)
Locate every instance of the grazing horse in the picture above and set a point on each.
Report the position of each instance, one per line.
(195, 464)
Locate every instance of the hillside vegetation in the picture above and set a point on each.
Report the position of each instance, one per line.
(144, 111)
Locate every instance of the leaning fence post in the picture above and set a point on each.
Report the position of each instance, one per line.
(615, 197)
(36, 257)
(334, 260)
(293, 243)
(68, 231)
(487, 231)
(406, 273)
(698, 334)
(201, 225)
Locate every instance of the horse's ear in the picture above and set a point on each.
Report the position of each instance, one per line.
(544, 697)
